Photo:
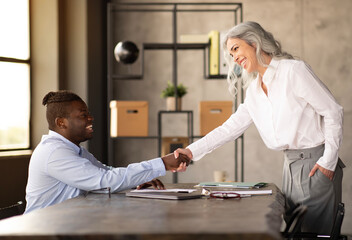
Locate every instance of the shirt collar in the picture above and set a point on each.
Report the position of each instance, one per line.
(270, 71)
(74, 146)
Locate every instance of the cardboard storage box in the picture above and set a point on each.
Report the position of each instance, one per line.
(129, 118)
(170, 144)
(213, 114)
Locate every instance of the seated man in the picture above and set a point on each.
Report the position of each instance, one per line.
(60, 168)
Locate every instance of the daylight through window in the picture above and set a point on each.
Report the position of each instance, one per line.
(14, 74)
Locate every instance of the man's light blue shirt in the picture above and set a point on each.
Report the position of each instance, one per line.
(59, 170)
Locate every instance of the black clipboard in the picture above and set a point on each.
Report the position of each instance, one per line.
(165, 195)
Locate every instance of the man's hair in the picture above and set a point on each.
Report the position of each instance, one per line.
(57, 104)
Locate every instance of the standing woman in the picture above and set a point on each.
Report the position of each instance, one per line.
(294, 112)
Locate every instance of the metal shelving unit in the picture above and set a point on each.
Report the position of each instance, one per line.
(189, 131)
(172, 8)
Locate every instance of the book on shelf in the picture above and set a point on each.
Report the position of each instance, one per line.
(214, 50)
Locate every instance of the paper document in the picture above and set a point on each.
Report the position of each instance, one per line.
(176, 190)
(232, 184)
(251, 192)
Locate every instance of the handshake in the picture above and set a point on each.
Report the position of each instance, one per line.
(177, 161)
(176, 164)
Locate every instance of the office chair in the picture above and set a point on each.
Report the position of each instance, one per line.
(293, 225)
(296, 216)
(13, 210)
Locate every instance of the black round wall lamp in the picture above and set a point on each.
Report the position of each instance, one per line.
(126, 52)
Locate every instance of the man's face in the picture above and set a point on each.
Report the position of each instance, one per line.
(79, 124)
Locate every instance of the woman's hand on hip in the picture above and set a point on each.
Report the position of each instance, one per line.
(326, 172)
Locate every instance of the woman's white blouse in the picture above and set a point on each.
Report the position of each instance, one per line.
(298, 112)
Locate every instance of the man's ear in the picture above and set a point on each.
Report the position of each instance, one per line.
(60, 122)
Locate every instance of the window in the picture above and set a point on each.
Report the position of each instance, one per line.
(14, 74)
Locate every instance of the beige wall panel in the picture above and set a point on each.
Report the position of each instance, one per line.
(75, 47)
(45, 61)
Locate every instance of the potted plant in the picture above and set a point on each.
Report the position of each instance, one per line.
(169, 94)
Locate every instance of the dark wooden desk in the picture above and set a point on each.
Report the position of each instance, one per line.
(98, 217)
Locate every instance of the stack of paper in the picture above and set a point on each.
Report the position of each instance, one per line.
(250, 193)
(233, 184)
(177, 190)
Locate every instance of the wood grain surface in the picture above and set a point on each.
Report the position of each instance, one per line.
(98, 217)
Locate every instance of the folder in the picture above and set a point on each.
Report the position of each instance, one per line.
(214, 50)
(233, 184)
(223, 65)
(247, 193)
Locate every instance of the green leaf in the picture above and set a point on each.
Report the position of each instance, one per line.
(169, 91)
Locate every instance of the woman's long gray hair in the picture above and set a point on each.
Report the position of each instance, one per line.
(253, 34)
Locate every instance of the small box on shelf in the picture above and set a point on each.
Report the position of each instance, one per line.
(170, 144)
(213, 114)
(194, 38)
(129, 118)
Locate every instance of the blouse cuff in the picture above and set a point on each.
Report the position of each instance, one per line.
(197, 151)
(329, 159)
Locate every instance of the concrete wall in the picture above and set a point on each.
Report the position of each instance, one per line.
(318, 32)
(314, 30)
